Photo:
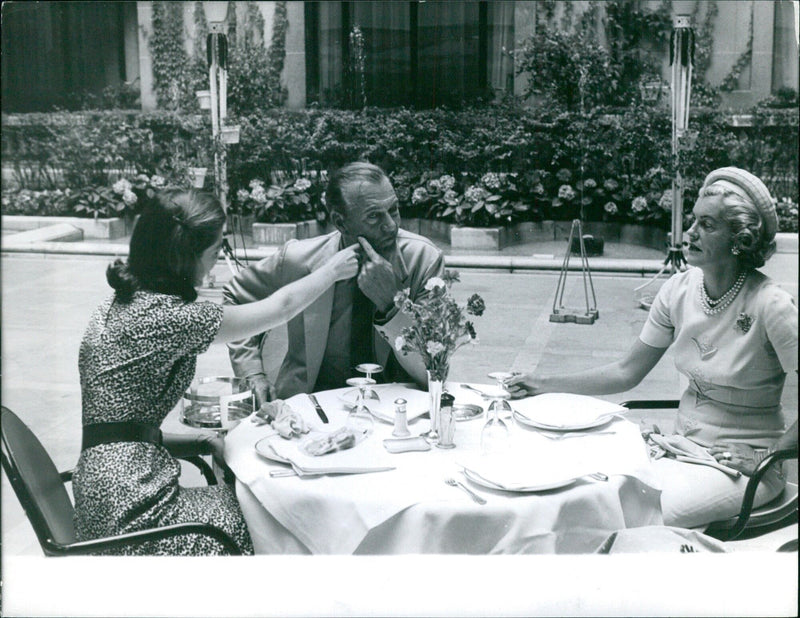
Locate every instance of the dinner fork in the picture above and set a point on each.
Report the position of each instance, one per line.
(454, 483)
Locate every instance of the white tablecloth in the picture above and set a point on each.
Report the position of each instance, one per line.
(411, 510)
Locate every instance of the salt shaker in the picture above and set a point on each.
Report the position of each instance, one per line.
(400, 419)
(447, 422)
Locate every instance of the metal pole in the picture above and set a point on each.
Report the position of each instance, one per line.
(682, 58)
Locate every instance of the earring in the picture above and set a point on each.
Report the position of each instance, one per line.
(735, 251)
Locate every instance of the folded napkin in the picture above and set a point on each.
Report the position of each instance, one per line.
(366, 456)
(513, 473)
(683, 449)
(417, 402)
(565, 410)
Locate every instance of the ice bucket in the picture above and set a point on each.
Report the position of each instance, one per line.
(216, 403)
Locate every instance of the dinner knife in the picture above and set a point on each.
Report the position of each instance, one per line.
(320, 411)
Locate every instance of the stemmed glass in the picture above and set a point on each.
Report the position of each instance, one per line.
(369, 369)
(500, 377)
(494, 435)
(360, 419)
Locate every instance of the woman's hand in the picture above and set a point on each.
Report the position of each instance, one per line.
(523, 385)
(734, 455)
(214, 445)
(344, 264)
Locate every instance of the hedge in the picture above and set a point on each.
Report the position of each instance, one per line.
(546, 163)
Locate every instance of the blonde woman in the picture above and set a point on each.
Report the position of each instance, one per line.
(734, 336)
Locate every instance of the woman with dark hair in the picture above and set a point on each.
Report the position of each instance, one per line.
(734, 336)
(137, 358)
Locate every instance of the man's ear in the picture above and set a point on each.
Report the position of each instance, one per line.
(338, 220)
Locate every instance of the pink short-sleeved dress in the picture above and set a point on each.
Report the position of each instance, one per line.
(136, 360)
(736, 362)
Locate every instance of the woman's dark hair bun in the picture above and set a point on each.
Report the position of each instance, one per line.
(121, 279)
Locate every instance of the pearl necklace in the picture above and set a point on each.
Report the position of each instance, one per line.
(712, 307)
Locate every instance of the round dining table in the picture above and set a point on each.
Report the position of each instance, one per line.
(368, 500)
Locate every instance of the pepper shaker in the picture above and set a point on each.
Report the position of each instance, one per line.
(400, 419)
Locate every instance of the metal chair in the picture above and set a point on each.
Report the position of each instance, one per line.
(40, 489)
(777, 513)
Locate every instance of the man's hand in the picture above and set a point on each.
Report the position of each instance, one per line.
(283, 419)
(376, 278)
(262, 388)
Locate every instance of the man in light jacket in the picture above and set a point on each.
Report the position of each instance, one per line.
(355, 321)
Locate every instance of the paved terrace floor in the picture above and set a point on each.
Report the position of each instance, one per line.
(48, 296)
(48, 293)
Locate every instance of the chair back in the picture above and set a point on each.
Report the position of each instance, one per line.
(37, 483)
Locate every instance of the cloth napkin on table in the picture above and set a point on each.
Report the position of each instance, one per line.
(366, 456)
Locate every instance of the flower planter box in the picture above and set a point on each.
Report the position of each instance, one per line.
(530, 231)
(480, 238)
(643, 235)
(240, 224)
(108, 229)
(495, 238)
(410, 225)
(435, 229)
(593, 245)
(279, 233)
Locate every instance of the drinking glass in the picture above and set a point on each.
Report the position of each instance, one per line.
(503, 406)
(360, 419)
(369, 369)
(494, 435)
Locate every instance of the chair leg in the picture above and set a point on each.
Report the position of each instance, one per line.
(205, 469)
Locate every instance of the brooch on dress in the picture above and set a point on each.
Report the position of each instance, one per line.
(743, 322)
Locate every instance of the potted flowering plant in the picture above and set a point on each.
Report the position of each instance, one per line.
(290, 207)
(439, 327)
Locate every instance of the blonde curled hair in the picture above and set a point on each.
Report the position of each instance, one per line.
(751, 244)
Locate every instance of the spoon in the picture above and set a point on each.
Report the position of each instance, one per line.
(472, 494)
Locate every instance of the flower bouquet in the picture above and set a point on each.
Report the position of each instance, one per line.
(439, 327)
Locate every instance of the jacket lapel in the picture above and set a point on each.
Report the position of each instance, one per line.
(317, 316)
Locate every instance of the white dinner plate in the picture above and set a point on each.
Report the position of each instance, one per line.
(565, 411)
(554, 484)
(265, 450)
(600, 420)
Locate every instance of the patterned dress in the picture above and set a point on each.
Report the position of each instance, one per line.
(136, 360)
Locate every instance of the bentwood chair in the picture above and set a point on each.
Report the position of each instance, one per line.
(40, 489)
(751, 522)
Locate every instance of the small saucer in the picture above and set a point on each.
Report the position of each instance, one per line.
(466, 411)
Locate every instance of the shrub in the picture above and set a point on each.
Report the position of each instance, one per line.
(289, 198)
(551, 163)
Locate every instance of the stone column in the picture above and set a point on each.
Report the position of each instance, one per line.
(294, 70)
(144, 12)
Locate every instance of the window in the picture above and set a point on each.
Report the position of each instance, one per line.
(420, 54)
(53, 52)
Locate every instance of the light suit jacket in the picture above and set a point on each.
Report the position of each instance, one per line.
(416, 260)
